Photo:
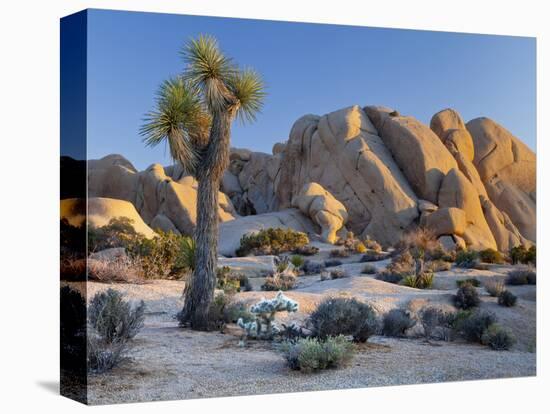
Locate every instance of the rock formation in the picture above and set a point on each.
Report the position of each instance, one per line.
(370, 170)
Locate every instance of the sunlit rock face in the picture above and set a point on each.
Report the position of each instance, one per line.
(369, 170)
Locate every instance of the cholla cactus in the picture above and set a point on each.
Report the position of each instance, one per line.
(265, 311)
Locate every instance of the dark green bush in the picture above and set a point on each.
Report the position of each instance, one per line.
(473, 325)
(369, 270)
(467, 258)
(306, 250)
(491, 256)
(389, 277)
(470, 281)
(344, 316)
(297, 261)
(436, 322)
(73, 329)
(507, 299)
(520, 254)
(522, 277)
(272, 241)
(117, 233)
(498, 338)
(311, 267)
(313, 354)
(466, 297)
(396, 322)
(114, 318)
(332, 263)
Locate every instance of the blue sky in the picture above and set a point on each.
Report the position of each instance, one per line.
(308, 68)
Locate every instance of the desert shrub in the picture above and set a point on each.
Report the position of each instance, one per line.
(332, 263)
(491, 256)
(344, 316)
(466, 297)
(498, 338)
(306, 250)
(473, 325)
(360, 248)
(421, 281)
(402, 263)
(271, 241)
(421, 244)
(311, 267)
(338, 274)
(522, 277)
(339, 253)
(234, 311)
(297, 261)
(466, 258)
(163, 256)
(292, 332)
(279, 281)
(389, 277)
(372, 245)
(103, 355)
(369, 270)
(114, 318)
(372, 256)
(118, 269)
(218, 316)
(73, 329)
(436, 322)
(494, 287)
(73, 268)
(507, 299)
(231, 282)
(470, 281)
(396, 322)
(117, 233)
(72, 239)
(520, 254)
(438, 265)
(312, 354)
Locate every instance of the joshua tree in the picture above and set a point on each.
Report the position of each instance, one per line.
(194, 113)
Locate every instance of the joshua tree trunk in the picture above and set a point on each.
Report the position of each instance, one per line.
(200, 292)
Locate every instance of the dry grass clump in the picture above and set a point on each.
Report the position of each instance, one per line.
(120, 269)
(438, 265)
(494, 287)
(340, 253)
(73, 268)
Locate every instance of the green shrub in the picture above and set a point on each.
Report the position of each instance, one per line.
(311, 267)
(231, 282)
(531, 255)
(507, 299)
(117, 233)
(396, 322)
(344, 316)
(520, 254)
(436, 322)
(186, 257)
(271, 241)
(306, 250)
(114, 318)
(421, 281)
(466, 259)
(494, 287)
(165, 255)
(498, 338)
(522, 277)
(402, 263)
(313, 354)
(491, 256)
(237, 310)
(470, 281)
(473, 325)
(369, 270)
(466, 297)
(297, 261)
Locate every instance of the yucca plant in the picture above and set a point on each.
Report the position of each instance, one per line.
(193, 114)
